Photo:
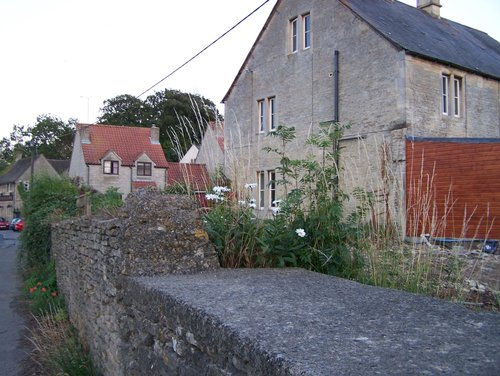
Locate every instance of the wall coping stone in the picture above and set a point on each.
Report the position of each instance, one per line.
(296, 322)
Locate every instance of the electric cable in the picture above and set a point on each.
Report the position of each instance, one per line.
(203, 50)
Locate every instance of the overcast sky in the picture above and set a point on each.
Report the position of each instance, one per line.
(65, 57)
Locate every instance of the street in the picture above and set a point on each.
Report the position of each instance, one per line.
(12, 325)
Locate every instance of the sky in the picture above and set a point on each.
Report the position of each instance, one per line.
(65, 57)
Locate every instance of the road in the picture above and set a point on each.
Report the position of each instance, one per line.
(12, 325)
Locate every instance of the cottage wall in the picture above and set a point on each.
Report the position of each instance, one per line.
(303, 85)
(480, 102)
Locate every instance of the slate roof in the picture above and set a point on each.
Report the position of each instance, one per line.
(420, 34)
(60, 165)
(433, 38)
(191, 174)
(127, 142)
(16, 170)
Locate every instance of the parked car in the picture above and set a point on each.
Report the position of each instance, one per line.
(19, 226)
(13, 222)
(4, 224)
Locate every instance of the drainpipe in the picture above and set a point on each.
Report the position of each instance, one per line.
(336, 119)
(131, 178)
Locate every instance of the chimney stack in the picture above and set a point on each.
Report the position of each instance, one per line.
(433, 7)
(155, 135)
(84, 131)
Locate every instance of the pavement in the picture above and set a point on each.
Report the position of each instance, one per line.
(13, 349)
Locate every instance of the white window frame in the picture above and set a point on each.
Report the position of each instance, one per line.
(271, 106)
(261, 202)
(445, 80)
(294, 35)
(457, 95)
(306, 31)
(108, 167)
(261, 115)
(271, 178)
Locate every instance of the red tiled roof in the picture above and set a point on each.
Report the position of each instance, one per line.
(143, 184)
(127, 142)
(193, 175)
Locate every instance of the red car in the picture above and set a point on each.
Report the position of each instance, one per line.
(19, 226)
(4, 224)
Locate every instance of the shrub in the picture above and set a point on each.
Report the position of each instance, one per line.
(49, 199)
(40, 289)
(107, 202)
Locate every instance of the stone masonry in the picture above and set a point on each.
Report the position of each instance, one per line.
(156, 234)
(147, 295)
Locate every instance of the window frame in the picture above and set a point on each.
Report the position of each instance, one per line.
(261, 115)
(306, 31)
(271, 176)
(261, 202)
(145, 167)
(445, 80)
(271, 113)
(111, 166)
(457, 96)
(294, 35)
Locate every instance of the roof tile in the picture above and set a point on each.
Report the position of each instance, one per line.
(127, 142)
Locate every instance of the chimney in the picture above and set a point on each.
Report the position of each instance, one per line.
(18, 155)
(155, 135)
(84, 131)
(430, 6)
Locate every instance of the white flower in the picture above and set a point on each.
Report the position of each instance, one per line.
(218, 190)
(242, 202)
(252, 205)
(212, 197)
(277, 202)
(250, 185)
(300, 232)
(275, 209)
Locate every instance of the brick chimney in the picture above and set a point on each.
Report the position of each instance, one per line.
(433, 7)
(84, 131)
(155, 135)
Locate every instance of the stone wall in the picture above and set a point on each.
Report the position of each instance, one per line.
(146, 294)
(155, 234)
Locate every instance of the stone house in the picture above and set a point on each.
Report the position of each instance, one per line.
(211, 152)
(21, 174)
(387, 69)
(127, 158)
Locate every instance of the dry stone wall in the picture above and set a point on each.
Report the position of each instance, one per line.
(147, 295)
(155, 234)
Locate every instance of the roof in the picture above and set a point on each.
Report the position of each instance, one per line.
(16, 170)
(60, 165)
(420, 34)
(129, 143)
(190, 174)
(439, 39)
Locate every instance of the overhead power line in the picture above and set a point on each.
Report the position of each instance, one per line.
(203, 50)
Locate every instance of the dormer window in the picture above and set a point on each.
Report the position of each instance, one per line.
(110, 167)
(144, 168)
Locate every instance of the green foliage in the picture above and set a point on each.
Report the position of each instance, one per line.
(49, 199)
(309, 230)
(109, 201)
(57, 346)
(40, 288)
(181, 117)
(235, 232)
(50, 136)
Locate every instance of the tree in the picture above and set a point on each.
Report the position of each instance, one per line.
(181, 117)
(50, 136)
